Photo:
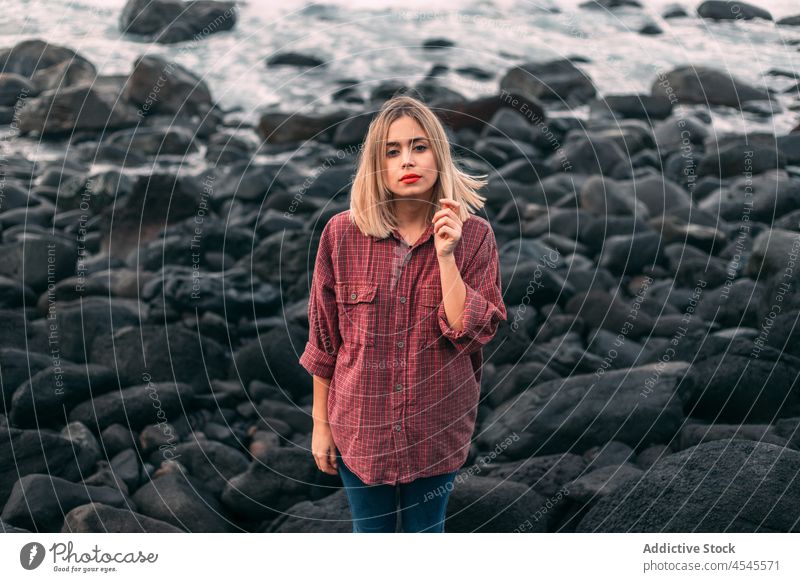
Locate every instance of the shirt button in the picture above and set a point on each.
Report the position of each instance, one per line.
(353, 296)
(397, 427)
(400, 344)
(402, 300)
(398, 386)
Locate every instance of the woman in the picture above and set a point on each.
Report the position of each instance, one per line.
(405, 293)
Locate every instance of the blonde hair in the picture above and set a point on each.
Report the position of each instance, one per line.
(370, 208)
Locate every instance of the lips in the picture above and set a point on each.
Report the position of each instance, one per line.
(410, 178)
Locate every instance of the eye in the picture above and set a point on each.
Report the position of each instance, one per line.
(424, 147)
(391, 152)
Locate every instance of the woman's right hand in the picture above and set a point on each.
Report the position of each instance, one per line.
(323, 448)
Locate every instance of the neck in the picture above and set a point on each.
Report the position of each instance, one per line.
(412, 213)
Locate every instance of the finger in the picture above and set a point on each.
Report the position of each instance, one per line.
(324, 465)
(446, 221)
(443, 213)
(450, 201)
(453, 219)
(447, 230)
(332, 457)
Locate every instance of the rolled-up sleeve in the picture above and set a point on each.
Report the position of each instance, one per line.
(483, 305)
(324, 340)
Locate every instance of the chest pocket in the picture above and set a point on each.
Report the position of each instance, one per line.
(429, 297)
(357, 312)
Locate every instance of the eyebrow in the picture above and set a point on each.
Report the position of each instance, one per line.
(397, 143)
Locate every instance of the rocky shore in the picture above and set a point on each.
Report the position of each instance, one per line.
(154, 283)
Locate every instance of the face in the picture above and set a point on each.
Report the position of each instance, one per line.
(408, 155)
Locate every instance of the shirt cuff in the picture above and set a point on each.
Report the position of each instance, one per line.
(474, 305)
(317, 361)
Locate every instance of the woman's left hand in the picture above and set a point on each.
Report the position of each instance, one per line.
(446, 228)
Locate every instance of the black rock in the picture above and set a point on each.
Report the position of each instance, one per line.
(560, 80)
(635, 406)
(134, 406)
(487, 505)
(103, 518)
(272, 484)
(164, 353)
(39, 502)
(16, 367)
(51, 393)
(294, 59)
(38, 260)
(331, 514)
(171, 21)
(726, 10)
(213, 463)
(93, 107)
(747, 383)
(23, 452)
(180, 92)
(750, 489)
(705, 85)
(183, 501)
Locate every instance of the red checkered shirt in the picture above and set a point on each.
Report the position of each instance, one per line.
(405, 385)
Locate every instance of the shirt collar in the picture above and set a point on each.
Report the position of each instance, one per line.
(422, 239)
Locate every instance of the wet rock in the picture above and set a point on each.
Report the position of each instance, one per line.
(82, 108)
(172, 21)
(180, 92)
(706, 85)
(294, 59)
(559, 79)
(725, 10)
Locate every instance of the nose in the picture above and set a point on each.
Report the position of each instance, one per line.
(408, 162)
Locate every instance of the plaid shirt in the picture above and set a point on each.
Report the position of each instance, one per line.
(404, 387)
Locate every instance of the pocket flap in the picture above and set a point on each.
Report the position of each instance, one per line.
(355, 292)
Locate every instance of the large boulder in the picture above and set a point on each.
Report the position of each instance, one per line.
(160, 86)
(88, 107)
(169, 353)
(331, 514)
(281, 478)
(102, 518)
(727, 10)
(135, 407)
(747, 382)
(552, 80)
(40, 501)
(184, 502)
(170, 21)
(729, 485)
(488, 505)
(706, 85)
(637, 406)
(38, 260)
(47, 396)
(23, 452)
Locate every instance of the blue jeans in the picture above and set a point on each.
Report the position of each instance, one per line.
(423, 503)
